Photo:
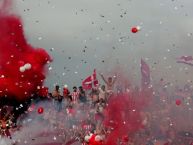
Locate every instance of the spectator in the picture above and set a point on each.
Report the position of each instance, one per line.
(109, 83)
(75, 95)
(66, 94)
(102, 93)
(57, 98)
(82, 95)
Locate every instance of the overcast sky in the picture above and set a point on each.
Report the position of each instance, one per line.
(88, 34)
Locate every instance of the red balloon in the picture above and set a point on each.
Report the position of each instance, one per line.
(134, 30)
(40, 110)
(178, 102)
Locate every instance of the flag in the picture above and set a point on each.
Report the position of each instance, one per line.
(145, 74)
(95, 81)
(87, 83)
(90, 82)
(186, 60)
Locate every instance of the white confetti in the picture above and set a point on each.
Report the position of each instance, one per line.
(39, 38)
(49, 68)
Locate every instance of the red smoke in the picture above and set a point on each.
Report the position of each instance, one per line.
(123, 115)
(22, 67)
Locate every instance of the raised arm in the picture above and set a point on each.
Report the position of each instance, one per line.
(103, 78)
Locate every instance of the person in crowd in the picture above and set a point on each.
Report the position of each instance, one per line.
(94, 95)
(57, 98)
(75, 95)
(102, 93)
(66, 95)
(82, 95)
(66, 91)
(109, 83)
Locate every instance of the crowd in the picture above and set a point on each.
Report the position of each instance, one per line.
(167, 119)
(84, 110)
(78, 115)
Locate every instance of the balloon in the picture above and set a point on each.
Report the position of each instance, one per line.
(27, 66)
(178, 102)
(22, 69)
(135, 29)
(40, 110)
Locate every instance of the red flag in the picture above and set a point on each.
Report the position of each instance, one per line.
(95, 81)
(145, 73)
(186, 60)
(88, 83)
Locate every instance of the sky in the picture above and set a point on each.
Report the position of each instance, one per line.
(87, 34)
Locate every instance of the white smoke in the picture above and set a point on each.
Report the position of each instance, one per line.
(4, 141)
(49, 127)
